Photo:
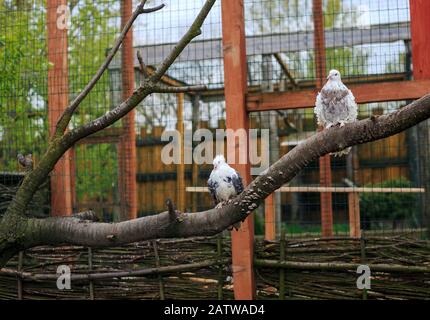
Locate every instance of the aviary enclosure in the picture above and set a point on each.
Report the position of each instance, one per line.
(262, 63)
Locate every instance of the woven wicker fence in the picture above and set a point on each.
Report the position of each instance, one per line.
(200, 268)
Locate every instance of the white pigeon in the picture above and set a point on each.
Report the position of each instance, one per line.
(335, 105)
(224, 183)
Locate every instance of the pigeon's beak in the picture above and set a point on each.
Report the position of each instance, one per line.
(328, 77)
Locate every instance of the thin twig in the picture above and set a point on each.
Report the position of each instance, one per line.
(26, 162)
(142, 65)
(185, 89)
(192, 32)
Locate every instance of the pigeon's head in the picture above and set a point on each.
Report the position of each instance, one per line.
(218, 161)
(333, 75)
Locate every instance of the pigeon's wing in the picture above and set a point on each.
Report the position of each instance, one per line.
(319, 108)
(352, 107)
(212, 185)
(236, 180)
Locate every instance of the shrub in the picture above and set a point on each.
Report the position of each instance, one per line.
(395, 207)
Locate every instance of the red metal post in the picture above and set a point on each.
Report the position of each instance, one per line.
(58, 90)
(127, 149)
(233, 31)
(320, 70)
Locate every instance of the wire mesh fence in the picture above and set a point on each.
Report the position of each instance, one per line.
(367, 41)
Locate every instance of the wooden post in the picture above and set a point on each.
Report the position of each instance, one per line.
(282, 248)
(234, 49)
(157, 264)
(420, 35)
(58, 90)
(19, 283)
(195, 167)
(354, 214)
(270, 218)
(180, 168)
(320, 73)
(90, 268)
(127, 149)
(363, 258)
(220, 283)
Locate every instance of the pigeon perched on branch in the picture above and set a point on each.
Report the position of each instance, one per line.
(335, 105)
(224, 183)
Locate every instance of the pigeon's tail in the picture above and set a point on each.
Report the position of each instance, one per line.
(341, 153)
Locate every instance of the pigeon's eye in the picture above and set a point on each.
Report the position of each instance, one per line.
(336, 74)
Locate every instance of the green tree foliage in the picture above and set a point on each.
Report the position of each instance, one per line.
(93, 29)
(23, 84)
(23, 70)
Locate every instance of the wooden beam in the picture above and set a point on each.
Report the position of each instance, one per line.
(234, 49)
(285, 69)
(354, 214)
(108, 135)
(364, 93)
(217, 94)
(208, 49)
(332, 189)
(58, 90)
(270, 218)
(127, 148)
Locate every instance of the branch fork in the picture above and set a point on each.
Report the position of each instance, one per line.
(175, 215)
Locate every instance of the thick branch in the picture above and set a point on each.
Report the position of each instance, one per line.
(210, 222)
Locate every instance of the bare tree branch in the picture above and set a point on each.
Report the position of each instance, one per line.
(26, 162)
(64, 120)
(193, 32)
(142, 68)
(213, 221)
(149, 10)
(144, 90)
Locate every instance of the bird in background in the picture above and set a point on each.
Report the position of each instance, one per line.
(335, 105)
(224, 183)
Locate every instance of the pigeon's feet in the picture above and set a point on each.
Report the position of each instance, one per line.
(341, 123)
(328, 126)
